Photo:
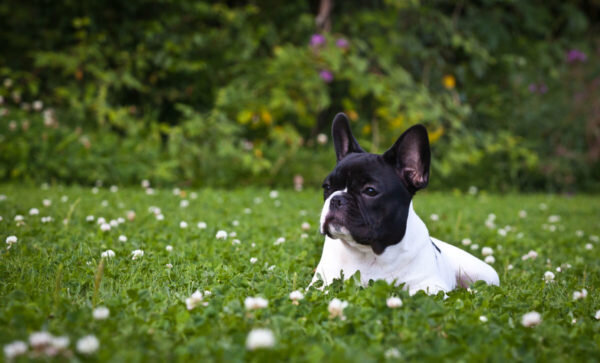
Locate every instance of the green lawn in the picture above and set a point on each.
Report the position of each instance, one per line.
(48, 279)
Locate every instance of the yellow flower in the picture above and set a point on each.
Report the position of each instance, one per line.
(366, 129)
(436, 134)
(449, 81)
(352, 115)
(266, 117)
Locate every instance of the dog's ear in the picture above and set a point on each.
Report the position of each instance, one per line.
(411, 156)
(343, 140)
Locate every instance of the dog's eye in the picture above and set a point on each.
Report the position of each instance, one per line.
(326, 186)
(371, 192)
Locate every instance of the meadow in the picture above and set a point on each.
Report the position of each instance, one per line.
(71, 272)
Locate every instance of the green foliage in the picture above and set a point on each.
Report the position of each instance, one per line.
(49, 279)
(180, 91)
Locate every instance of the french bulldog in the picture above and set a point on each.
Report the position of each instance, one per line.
(371, 226)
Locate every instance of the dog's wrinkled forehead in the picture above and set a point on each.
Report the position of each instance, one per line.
(358, 169)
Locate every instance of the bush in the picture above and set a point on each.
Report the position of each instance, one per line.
(223, 94)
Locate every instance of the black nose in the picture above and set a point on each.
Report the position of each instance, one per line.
(336, 202)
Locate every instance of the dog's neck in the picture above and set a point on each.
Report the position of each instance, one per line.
(396, 256)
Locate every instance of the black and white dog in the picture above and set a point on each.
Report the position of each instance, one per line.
(370, 224)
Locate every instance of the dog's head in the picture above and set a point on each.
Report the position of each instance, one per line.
(367, 196)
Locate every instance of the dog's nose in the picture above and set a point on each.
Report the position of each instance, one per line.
(336, 202)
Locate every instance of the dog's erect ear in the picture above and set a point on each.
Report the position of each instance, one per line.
(343, 140)
(410, 155)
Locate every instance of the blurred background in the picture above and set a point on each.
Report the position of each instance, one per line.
(242, 93)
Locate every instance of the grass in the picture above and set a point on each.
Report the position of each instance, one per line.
(52, 279)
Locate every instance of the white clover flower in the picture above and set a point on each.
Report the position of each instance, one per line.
(305, 226)
(136, 253)
(553, 218)
(579, 233)
(122, 238)
(279, 241)
(40, 339)
(183, 224)
(589, 246)
(235, 223)
(104, 203)
(558, 269)
(543, 206)
(101, 313)
(597, 316)
(154, 210)
(490, 224)
(434, 217)
(120, 220)
(336, 308)
(253, 259)
(89, 218)
(10, 240)
(184, 203)
(201, 225)
(273, 194)
(487, 251)
(168, 265)
(130, 215)
(254, 303)
(46, 202)
(578, 295)
(474, 247)
(193, 195)
(530, 255)
(2, 197)
(114, 188)
(392, 353)
(114, 223)
(221, 235)
(260, 338)
(176, 191)
(304, 235)
(483, 319)
(296, 296)
(47, 219)
(232, 234)
(169, 248)
(108, 254)
(548, 276)
(95, 190)
(522, 213)
(473, 190)
(502, 232)
(105, 227)
(149, 191)
(38, 105)
(88, 344)
(247, 211)
(207, 293)
(466, 241)
(194, 300)
(14, 349)
(530, 319)
(271, 268)
(594, 238)
(1, 218)
(489, 259)
(552, 228)
(393, 302)
(60, 343)
(235, 241)
(160, 217)
(509, 267)
(19, 218)
(145, 184)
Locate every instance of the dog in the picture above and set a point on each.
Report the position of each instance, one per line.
(370, 224)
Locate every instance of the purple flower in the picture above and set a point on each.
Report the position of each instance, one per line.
(326, 76)
(317, 40)
(532, 88)
(542, 88)
(342, 43)
(575, 55)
